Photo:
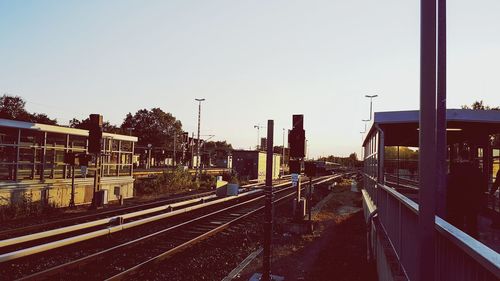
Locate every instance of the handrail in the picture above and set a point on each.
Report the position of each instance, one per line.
(477, 250)
(481, 253)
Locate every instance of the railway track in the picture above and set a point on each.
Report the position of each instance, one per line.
(118, 255)
(21, 231)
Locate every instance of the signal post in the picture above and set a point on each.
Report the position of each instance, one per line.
(297, 145)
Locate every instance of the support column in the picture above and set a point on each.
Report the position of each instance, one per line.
(441, 111)
(427, 142)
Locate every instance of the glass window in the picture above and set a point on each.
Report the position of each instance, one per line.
(126, 146)
(77, 143)
(7, 171)
(8, 154)
(26, 154)
(25, 171)
(57, 140)
(8, 135)
(126, 158)
(115, 145)
(126, 170)
(32, 138)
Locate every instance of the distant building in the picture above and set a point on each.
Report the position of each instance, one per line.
(263, 144)
(252, 164)
(32, 164)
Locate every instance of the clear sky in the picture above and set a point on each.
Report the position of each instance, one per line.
(251, 60)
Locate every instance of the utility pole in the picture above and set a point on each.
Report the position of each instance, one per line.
(198, 174)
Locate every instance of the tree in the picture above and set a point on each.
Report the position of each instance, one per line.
(85, 124)
(13, 107)
(212, 146)
(153, 126)
(351, 161)
(479, 105)
(42, 118)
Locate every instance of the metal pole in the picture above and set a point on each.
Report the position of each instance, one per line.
(192, 155)
(268, 224)
(173, 161)
(199, 144)
(441, 110)
(309, 207)
(258, 137)
(371, 101)
(398, 166)
(371, 111)
(198, 174)
(72, 199)
(427, 142)
(283, 155)
(97, 179)
(149, 158)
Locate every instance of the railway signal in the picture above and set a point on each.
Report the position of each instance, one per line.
(94, 146)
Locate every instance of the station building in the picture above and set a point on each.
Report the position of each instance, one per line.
(32, 164)
(252, 164)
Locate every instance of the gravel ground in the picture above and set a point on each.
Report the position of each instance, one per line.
(215, 257)
(335, 251)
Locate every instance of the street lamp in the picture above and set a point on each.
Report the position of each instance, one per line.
(371, 99)
(198, 174)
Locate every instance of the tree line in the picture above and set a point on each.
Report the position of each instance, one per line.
(153, 126)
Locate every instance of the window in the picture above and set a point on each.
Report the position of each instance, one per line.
(8, 135)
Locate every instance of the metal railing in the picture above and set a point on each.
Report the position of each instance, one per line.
(458, 256)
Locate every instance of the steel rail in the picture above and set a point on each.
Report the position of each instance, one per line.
(89, 216)
(97, 233)
(110, 212)
(84, 260)
(132, 270)
(62, 230)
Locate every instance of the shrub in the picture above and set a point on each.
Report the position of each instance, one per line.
(168, 182)
(25, 207)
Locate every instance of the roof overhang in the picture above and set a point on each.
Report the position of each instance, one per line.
(402, 127)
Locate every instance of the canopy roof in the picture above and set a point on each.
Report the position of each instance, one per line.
(401, 127)
(58, 129)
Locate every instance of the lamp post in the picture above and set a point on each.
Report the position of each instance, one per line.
(371, 101)
(198, 171)
(258, 134)
(283, 156)
(362, 138)
(364, 120)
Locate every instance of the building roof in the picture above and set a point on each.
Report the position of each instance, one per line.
(464, 115)
(59, 129)
(401, 127)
